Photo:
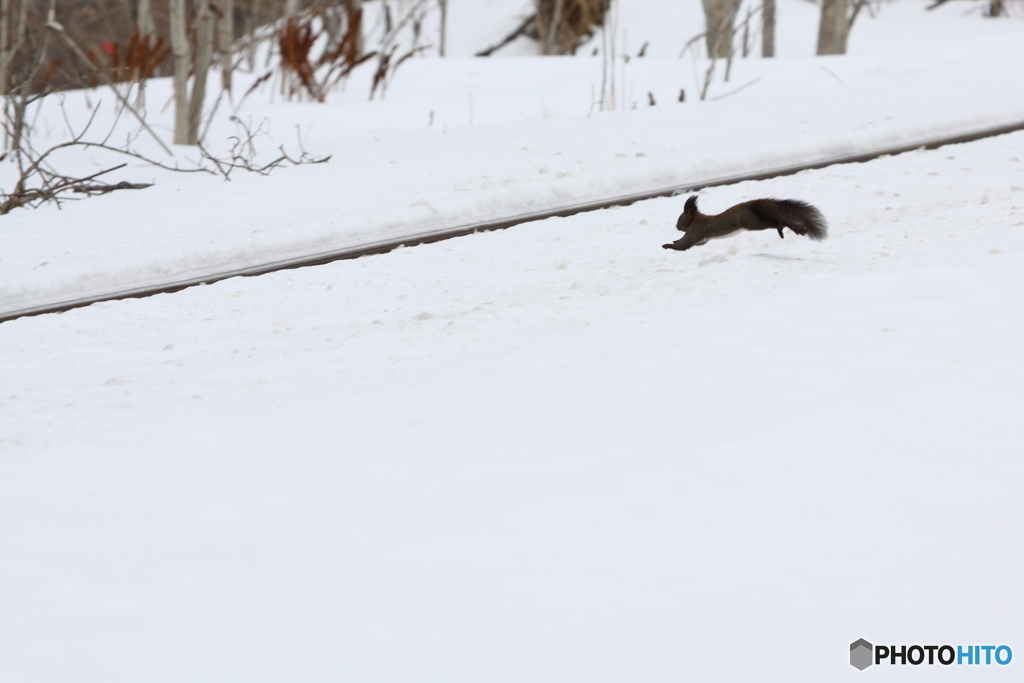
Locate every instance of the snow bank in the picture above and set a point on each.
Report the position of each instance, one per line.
(385, 184)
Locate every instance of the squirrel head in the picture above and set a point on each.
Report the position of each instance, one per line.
(689, 213)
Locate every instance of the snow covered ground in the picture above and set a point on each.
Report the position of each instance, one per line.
(551, 453)
(509, 137)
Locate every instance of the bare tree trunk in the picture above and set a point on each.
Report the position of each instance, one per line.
(746, 34)
(180, 49)
(11, 133)
(146, 28)
(9, 48)
(5, 37)
(719, 17)
(14, 107)
(768, 29)
(144, 20)
(444, 24)
(204, 48)
(225, 41)
(550, 45)
(834, 27)
(357, 12)
(609, 58)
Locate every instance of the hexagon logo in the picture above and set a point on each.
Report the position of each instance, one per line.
(861, 654)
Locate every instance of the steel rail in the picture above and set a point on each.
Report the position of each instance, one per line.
(385, 246)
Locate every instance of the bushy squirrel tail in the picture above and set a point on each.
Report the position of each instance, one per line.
(800, 217)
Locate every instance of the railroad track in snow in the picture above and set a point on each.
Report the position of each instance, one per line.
(385, 246)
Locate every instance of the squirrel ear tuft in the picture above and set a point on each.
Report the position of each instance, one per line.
(691, 204)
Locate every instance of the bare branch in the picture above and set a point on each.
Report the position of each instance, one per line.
(520, 30)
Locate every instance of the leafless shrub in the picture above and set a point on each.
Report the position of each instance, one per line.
(242, 155)
(337, 33)
(39, 175)
(39, 181)
(561, 26)
(387, 66)
(340, 54)
(1002, 8)
(138, 60)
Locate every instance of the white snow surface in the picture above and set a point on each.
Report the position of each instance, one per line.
(509, 137)
(551, 453)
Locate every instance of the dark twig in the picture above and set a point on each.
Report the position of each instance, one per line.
(520, 30)
(93, 190)
(242, 154)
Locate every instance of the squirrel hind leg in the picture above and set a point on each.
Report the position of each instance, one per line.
(781, 236)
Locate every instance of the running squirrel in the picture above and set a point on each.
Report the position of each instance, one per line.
(759, 214)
